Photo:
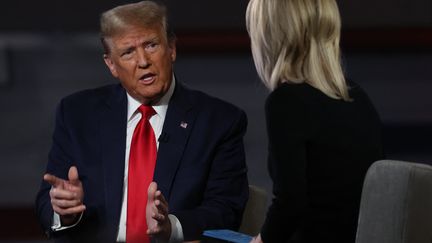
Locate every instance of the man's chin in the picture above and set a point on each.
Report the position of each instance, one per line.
(148, 99)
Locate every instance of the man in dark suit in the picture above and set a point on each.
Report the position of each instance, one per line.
(199, 179)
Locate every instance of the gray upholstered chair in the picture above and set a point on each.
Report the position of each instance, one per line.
(255, 211)
(396, 204)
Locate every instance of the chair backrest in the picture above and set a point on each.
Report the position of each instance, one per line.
(396, 203)
(255, 211)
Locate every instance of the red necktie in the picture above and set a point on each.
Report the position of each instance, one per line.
(142, 160)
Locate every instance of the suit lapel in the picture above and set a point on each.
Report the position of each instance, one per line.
(113, 139)
(178, 123)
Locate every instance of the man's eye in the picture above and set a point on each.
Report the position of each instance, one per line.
(127, 52)
(151, 46)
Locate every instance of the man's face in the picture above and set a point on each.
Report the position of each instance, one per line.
(142, 59)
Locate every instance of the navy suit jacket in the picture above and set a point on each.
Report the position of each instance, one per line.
(200, 168)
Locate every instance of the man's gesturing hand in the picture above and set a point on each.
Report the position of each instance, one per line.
(158, 223)
(67, 196)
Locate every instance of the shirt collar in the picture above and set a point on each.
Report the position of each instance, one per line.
(160, 107)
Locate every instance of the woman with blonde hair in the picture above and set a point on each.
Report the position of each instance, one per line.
(323, 131)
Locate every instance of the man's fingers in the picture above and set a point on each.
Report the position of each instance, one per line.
(73, 175)
(162, 228)
(159, 217)
(160, 196)
(65, 204)
(161, 207)
(154, 231)
(53, 180)
(151, 231)
(57, 193)
(68, 211)
(160, 203)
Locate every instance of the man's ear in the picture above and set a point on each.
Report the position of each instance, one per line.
(110, 64)
(173, 49)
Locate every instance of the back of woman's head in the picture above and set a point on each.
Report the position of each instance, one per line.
(297, 41)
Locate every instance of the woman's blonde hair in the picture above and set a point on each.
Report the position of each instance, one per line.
(297, 41)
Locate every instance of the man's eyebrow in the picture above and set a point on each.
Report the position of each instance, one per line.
(151, 40)
(127, 48)
(131, 46)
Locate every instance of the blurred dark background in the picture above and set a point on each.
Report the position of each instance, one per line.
(49, 49)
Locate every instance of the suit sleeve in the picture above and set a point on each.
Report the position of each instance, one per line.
(226, 191)
(59, 162)
(287, 131)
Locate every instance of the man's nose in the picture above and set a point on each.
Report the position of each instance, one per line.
(143, 60)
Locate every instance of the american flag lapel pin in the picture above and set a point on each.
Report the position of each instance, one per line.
(183, 124)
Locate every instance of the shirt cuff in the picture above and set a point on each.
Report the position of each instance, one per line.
(176, 230)
(56, 226)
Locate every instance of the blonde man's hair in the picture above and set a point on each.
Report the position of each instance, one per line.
(297, 41)
(118, 20)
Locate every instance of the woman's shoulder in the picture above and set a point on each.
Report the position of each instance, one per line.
(357, 93)
(290, 100)
(291, 93)
(304, 93)
(293, 89)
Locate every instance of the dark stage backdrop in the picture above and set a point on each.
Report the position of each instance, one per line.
(50, 48)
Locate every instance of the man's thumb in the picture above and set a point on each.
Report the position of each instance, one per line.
(73, 175)
(151, 191)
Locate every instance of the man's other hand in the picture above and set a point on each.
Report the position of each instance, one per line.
(159, 225)
(67, 196)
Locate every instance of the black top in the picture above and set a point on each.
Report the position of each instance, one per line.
(319, 151)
